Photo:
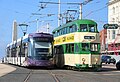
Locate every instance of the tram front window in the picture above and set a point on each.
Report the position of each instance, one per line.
(91, 28)
(43, 50)
(83, 27)
(94, 47)
(85, 46)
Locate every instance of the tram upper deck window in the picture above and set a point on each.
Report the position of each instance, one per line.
(74, 27)
(91, 28)
(55, 34)
(58, 33)
(83, 27)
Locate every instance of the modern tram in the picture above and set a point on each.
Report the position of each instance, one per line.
(77, 45)
(34, 49)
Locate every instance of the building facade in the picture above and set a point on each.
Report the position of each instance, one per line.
(103, 36)
(113, 35)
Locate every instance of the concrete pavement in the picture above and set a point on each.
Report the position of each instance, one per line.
(5, 69)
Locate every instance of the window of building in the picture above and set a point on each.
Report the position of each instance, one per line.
(113, 10)
(113, 34)
(117, 20)
(117, 10)
(113, 20)
(108, 34)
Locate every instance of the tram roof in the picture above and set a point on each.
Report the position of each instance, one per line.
(80, 21)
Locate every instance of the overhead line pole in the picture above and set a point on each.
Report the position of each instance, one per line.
(59, 13)
(80, 7)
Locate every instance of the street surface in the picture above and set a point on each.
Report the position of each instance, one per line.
(108, 74)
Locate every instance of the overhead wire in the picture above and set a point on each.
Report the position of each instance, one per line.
(27, 20)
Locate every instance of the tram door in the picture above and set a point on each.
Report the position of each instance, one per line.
(59, 56)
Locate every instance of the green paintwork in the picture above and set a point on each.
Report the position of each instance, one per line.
(77, 22)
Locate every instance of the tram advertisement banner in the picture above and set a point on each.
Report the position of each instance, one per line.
(64, 39)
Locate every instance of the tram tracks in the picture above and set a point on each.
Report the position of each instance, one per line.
(28, 76)
(54, 76)
(59, 77)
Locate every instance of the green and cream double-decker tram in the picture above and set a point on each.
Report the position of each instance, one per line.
(77, 44)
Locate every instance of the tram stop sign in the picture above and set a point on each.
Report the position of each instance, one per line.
(110, 26)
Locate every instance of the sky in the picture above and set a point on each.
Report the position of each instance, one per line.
(28, 11)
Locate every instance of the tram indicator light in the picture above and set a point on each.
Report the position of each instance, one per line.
(110, 26)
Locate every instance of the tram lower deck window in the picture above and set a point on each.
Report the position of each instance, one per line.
(69, 48)
(85, 46)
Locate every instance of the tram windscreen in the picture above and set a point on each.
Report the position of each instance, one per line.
(43, 50)
(92, 28)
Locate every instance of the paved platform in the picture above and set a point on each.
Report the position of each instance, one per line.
(5, 69)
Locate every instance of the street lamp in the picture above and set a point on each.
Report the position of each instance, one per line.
(24, 30)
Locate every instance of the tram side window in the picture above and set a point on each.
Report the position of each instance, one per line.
(91, 28)
(58, 50)
(76, 48)
(54, 33)
(85, 46)
(67, 30)
(83, 27)
(23, 50)
(63, 30)
(13, 52)
(58, 33)
(8, 52)
(72, 48)
(69, 48)
(74, 27)
(71, 29)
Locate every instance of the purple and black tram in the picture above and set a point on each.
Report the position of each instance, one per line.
(34, 49)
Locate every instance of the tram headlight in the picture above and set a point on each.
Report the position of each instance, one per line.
(83, 60)
(96, 60)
